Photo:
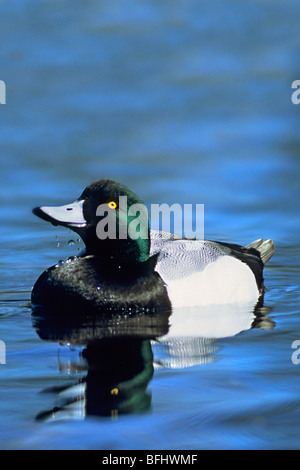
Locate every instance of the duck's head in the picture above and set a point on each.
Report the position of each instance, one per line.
(111, 220)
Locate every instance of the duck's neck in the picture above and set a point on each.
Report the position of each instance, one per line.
(116, 251)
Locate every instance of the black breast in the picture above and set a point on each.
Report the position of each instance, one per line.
(89, 284)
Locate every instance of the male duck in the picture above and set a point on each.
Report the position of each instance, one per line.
(146, 273)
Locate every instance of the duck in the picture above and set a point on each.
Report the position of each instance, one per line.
(127, 267)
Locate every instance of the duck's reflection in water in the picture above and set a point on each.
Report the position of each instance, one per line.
(113, 355)
(117, 383)
(194, 334)
(116, 362)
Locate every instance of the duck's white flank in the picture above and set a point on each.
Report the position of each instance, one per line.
(227, 280)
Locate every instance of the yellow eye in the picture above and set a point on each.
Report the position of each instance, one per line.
(112, 205)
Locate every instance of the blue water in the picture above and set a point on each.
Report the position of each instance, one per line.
(184, 102)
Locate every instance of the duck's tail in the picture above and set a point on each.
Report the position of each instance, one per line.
(265, 248)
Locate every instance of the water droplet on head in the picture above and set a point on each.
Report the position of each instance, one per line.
(71, 242)
(59, 263)
(70, 259)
